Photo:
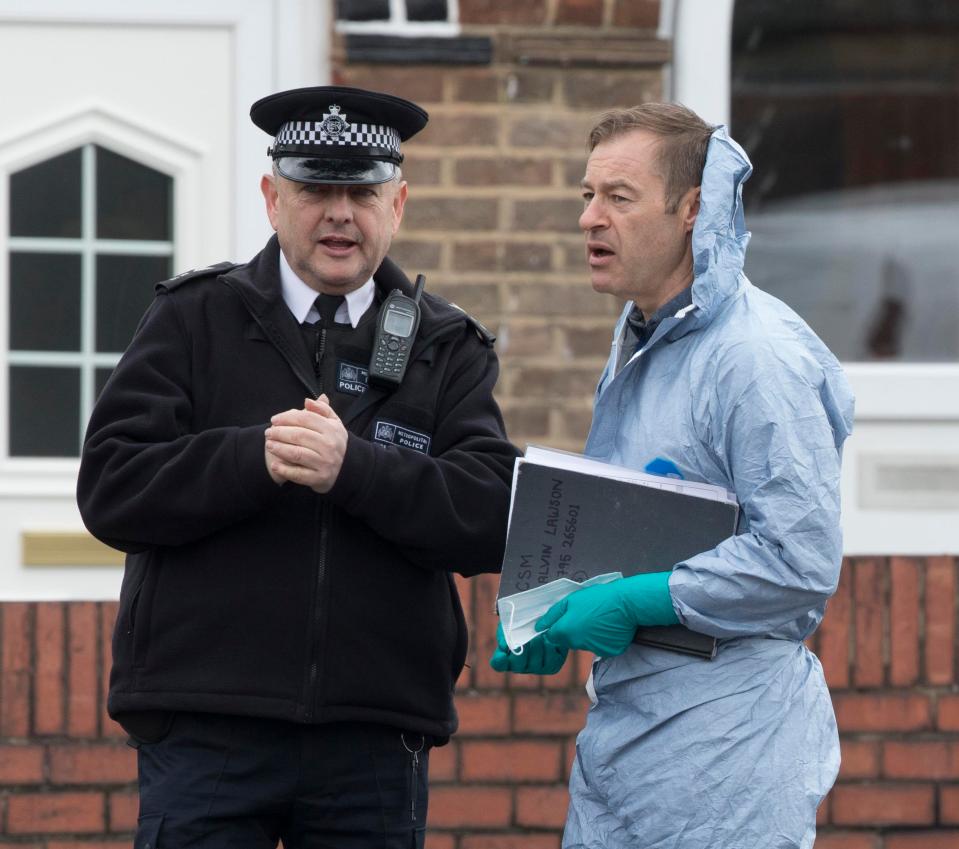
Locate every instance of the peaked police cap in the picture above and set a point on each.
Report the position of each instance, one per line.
(337, 134)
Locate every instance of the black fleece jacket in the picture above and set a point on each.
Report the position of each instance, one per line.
(244, 597)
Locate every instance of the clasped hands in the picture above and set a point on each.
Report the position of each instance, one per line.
(306, 446)
(601, 619)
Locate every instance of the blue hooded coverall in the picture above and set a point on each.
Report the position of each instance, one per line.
(737, 752)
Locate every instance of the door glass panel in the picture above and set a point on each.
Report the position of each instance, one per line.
(44, 302)
(124, 291)
(133, 201)
(45, 198)
(44, 411)
(853, 130)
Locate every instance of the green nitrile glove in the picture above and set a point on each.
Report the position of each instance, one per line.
(603, 618)
(538, 656)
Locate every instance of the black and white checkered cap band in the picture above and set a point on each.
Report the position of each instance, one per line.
(354, 135)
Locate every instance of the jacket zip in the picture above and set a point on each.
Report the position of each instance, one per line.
(318, 630)
(319, 346)
(323, 510)
(319, 633)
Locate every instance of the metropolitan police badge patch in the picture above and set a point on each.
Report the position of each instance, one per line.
(389, 433)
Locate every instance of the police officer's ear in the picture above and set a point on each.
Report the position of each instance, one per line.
(268, 187)
(689, 208)
(399, 202)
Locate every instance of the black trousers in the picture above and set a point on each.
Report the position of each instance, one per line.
(227, 782)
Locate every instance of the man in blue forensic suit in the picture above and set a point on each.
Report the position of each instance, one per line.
(289, 632)
(725, 384)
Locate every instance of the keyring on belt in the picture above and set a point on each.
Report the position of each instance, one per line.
(408, 749)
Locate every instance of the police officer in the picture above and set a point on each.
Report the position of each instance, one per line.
(289, 631)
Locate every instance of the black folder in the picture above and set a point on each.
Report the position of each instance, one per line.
(573, 524)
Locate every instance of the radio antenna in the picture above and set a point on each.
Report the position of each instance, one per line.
(418, 287)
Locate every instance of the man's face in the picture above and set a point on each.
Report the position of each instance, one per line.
(635, 249)
(334, 237)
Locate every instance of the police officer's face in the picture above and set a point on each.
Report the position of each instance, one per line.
(334, 237)
(635, 248)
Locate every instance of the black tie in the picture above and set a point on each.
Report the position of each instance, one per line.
(326, 306)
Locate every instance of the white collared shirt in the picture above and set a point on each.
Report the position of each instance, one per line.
(299, 298)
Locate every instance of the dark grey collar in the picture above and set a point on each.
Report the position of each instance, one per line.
(639, 330)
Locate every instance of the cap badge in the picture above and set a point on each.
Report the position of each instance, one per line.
(334, 124)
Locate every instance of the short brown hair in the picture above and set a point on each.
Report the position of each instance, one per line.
(684, 137)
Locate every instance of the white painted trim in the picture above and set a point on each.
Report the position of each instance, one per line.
(38, 244)
(92, 123)
(88, 273)
(667, 19)
(302, 50)
(60, 132)
(905, 392)
(702, 36)
(68, 359)
(405, 29)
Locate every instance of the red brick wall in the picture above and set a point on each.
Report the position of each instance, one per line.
(67, 781)
(887, 644)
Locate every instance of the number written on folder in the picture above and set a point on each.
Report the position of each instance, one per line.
(573, 517)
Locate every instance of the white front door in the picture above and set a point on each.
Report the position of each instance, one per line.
(126, 156)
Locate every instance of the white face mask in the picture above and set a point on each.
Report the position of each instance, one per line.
(518, 612)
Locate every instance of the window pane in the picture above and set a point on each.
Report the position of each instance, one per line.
(133, 201)
(44, 411)
(854, 134)
(124, 291)
(44, 302)
(45, 198)
(426, 10)
(363, 10)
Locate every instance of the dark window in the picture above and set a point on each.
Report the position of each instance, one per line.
(426, 10)
(44, 302)
(44, 411)
(850, 114)
(45, 198)
(133, 201)
(124, 291)
(362, 10)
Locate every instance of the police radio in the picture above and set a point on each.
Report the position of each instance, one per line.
(395, 331)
